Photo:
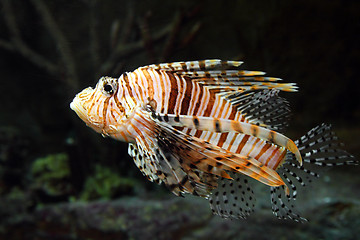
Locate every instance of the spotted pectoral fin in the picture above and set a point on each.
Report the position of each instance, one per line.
(158, 163)
(225, 125)
(146, 164)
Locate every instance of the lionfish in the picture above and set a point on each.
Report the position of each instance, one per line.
(207, 128)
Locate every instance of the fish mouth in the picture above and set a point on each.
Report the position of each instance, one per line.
(77, 104)
(79, 109)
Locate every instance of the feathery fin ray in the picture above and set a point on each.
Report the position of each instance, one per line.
(202, 154)
(225, 125)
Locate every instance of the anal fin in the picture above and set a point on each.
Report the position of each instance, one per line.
(233, 199)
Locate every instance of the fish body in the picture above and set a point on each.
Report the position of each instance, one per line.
(204, 127)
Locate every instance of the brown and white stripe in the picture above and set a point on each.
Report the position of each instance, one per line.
(196, 89)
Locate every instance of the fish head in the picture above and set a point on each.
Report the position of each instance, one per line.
(99, 109)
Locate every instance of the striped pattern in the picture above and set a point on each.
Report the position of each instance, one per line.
(225, 125)
(200, 89)
(210, 95)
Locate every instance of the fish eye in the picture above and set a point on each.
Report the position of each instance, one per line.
(108, 85)
(108, 88)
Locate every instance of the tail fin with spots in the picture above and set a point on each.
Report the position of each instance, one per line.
(319, 148)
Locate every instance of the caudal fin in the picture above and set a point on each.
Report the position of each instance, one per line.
(319, 148)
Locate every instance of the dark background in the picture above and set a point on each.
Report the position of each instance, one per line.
(50, 50)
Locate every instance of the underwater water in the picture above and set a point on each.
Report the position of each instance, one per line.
(61, 180)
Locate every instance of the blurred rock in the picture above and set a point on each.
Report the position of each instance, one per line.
(122, 219)
(175, 218)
